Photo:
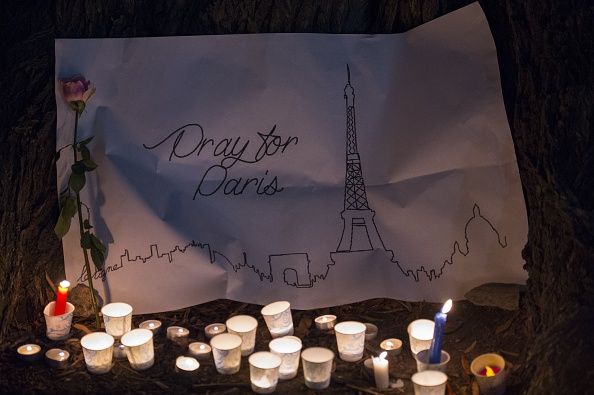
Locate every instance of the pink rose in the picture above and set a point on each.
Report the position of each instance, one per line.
(77, 89)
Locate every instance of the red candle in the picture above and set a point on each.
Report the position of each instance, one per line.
(490, 371)
(60, 306)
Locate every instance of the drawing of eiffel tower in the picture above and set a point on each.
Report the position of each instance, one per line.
(359, 232)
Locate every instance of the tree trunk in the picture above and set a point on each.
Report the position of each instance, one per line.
(545, 55)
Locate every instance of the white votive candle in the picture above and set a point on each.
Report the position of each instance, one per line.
(29, 352)
(57, 358)
(199, 350)
(152, 325)
(214, 329)
(178, 334)
(139, 348)
(278, 318)
(264, 371)
(317, 367)
(350, 339)
(98, 351)
(325, 322)
(186, 364)
(420, 334)
(117, 318)
(226, 352)
(288, 348)
(392, 346)
(381, 372)
(245, 327)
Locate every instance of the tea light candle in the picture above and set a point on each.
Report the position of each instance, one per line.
(199, 350)
(29, 352)
(57, 358)
(392, 346)
(226, 352)
(420, 334)
(350, 339)
(98, 351)
(117, 318)
(325, 322)
(152, 325)
(380, 371)
(139, 348)
(288, 348)
(177, 334)
(245, 327)
(186, 364)
(317, 367)
(214, 329)
(264, 372)
(370, 331)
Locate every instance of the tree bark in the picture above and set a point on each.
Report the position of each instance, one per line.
(545, 54)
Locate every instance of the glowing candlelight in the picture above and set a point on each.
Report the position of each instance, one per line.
(186, 364)
(61, 297)
(325, 322)
(57, 358)
(214, 329)
(29, 352)
(199, 350)
(489, 371)
(152, 325)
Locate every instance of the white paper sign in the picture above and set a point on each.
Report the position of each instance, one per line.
(256, 168)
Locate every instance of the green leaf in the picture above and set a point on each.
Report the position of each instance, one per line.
(84, 152)
(89, 165)
(87, 224)
(85, 240)
(66, 213)
(86, 141)
(78, 167)
(98, 252)
(77, 182)
(62, 226)
(98, 244)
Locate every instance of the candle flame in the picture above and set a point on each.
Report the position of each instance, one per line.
(151, 325)
(489, 372)
(180, 330)
(447, 306)
(389, 344)
(216, 328)
(202, 347)
(383, 355)
(64, 284)
(324, 319)
(61, 353)
(29, 348)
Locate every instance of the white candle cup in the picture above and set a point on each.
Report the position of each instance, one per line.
(186, 365)
(152, 325)
(350, 339)
(264, 371)
(226, 352)
(422, 358)
(178, 334)
(29, 352)
(420, 335)
(288, 348)
(278, 318)
(199, 350)
(214, 329)
(57, 327)
(139, 348)
(325, 322)
(370, 331)
(317, 367)
(119, 350)
(429, 382)
(57, 358)
(117, 318)
(98, 351)
(245, 327)
(392, 346)
(490, 385)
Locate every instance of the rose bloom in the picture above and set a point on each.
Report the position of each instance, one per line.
(76, 89)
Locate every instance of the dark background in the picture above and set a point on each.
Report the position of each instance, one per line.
(545, 52)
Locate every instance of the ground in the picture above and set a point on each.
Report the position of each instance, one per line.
(471, 330)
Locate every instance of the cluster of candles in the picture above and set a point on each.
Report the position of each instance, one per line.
(236, 338)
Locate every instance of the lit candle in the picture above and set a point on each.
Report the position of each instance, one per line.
(380, 371)
(199, 350)
(391, 346)
(440, 322)
(29, 352)
(214, 329)
(489, 372)
(177, 334)
(186, 364)
(325, 322)
(152, 325)
(61, 297)
(57, 358)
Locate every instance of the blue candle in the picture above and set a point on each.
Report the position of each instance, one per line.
(440, 322)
